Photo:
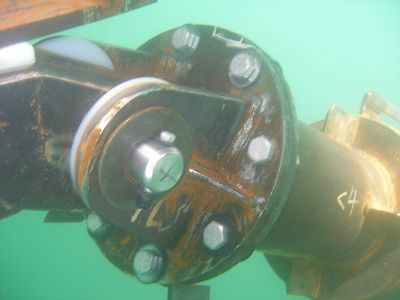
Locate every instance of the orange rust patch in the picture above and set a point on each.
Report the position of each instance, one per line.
(19, 13)
(125, 240)
(3, 126)
(207, 200)
(87, 148)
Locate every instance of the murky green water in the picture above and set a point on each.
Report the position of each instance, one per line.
(331, 52)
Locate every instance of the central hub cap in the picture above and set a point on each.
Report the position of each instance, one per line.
(156, 165)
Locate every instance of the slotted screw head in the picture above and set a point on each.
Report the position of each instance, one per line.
(157, 165)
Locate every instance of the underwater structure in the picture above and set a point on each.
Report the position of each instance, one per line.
(186, 155)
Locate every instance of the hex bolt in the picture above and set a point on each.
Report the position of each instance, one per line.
(244, 69)
(96, 226)
(185, 41)
(157, 165)
(260, 149)
(215, 236)
(148, 263)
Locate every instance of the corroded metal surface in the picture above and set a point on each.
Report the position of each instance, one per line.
(24, 20)
(40, 110)
(37, 131)
(220, 181)
(342, 245)
(322, 204)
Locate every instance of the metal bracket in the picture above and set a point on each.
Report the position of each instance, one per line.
(192, 292)
(374, 106)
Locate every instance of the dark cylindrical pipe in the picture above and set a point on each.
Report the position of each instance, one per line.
(334, 187)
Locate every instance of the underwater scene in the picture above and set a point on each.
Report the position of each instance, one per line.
(200, 150)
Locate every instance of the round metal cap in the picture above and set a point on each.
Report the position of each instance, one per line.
(157, 165)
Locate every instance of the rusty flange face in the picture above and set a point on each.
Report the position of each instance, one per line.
(233, 119)
(116, 182)
(96, 120)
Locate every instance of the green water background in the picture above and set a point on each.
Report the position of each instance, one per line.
(330, 52)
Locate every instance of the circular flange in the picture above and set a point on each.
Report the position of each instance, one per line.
(248, 192)
(222, 178)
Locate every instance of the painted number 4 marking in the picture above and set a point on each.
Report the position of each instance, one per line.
(349, 199)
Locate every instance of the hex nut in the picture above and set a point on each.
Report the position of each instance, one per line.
(260, 149)
(215, 236)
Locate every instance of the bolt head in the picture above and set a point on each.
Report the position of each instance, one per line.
(215, 236)
(96, 227)
(244, 69)
(184, 42)
(260, 149)
(148, 264)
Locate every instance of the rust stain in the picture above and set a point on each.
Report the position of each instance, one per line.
(40, 17)
(57, 151)
(151, 222)
(18, 13)
(119, 248)
(363, 258)
(124, 241)
(3, 126)
(206, 200)
(38, 125)
(203, 198)
(87, 148)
